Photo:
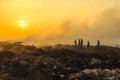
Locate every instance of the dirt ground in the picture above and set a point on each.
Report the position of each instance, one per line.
(25, 62)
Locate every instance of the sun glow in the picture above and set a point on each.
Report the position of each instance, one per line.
(22, 23)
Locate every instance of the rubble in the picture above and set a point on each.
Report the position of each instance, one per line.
(96, 74)
(63, 63)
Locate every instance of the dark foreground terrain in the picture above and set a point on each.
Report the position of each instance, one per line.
(23, 62)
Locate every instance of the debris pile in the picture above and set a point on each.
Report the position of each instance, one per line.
(59, 63)
(96, 74)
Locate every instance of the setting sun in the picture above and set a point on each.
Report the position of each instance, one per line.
(21, 23)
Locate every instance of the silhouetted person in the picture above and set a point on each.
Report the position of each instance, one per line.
(75, 42)
(88, 44)
(81, 44)
(98, 43)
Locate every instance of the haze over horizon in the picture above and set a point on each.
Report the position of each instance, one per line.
(60, 21)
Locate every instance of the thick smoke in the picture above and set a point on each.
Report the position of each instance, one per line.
(106, 27)
(108, 24)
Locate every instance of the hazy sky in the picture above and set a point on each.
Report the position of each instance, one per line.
(53, 21)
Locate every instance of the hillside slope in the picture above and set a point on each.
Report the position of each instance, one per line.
(24, 62)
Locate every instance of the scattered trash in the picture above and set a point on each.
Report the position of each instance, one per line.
(61, 63)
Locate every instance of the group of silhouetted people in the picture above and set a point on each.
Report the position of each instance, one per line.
(80, 43)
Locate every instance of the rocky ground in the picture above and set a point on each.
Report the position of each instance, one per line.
(24, 62)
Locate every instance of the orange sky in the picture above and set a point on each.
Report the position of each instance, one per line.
(21, 19)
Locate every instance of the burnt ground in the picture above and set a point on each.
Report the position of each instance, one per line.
(24, 62)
